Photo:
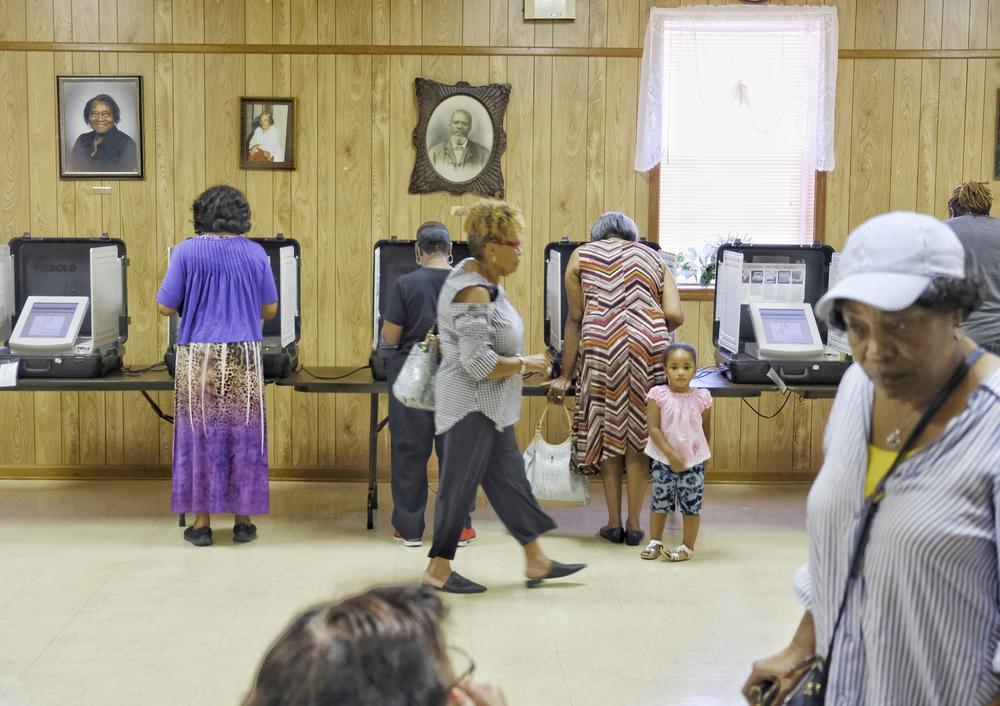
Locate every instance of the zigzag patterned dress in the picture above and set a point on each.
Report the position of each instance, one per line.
(622, 341)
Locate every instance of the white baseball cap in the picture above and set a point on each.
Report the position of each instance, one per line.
(890, 260)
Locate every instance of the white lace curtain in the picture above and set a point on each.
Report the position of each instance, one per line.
(774, 63)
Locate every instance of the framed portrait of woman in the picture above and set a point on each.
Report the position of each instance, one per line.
(267, 133)
(100, 127)
(459, 138)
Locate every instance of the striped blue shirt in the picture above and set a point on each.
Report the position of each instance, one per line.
(922, 621)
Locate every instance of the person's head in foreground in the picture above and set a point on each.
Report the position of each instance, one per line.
(901, 297)
(971, 198)
(383, 647)
(221, 209)
(494, 230)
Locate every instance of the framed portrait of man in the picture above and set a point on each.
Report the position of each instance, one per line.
(100, 127)
(267, 133)
(459, 138)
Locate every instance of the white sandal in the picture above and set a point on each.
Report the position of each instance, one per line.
(653, 550)
(675, 553)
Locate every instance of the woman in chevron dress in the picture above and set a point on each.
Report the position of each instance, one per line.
(622, 305)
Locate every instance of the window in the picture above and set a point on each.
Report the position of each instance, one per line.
(734, 103)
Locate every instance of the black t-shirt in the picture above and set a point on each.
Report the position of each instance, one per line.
(412, 303)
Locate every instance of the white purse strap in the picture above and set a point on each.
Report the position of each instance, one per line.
(541, 421)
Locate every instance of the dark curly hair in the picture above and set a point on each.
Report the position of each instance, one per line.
(221, 209)
(383, 646)
(682, 346)
(945, 294)
(116, 113)
(433, 237)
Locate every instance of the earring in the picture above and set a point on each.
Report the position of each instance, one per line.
(450, 259)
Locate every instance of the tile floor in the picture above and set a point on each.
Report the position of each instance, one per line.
(101, 602)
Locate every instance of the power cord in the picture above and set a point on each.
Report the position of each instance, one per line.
(156, 408)
(335, 377)
(788, 396)
(132, 372)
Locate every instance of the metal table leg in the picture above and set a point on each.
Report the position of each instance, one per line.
(373, 428)
(181, 520)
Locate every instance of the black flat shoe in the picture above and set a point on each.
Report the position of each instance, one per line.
(201, 537)
(556, 571)
(457, 583)
(633, 537)
(615, 535)
(244, 532)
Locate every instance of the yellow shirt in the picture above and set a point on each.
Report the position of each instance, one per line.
(879, 463)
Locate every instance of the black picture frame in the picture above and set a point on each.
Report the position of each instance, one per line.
(439, 165)
(258, 150)
(100, 127)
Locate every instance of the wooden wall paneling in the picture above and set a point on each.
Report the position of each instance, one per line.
(575, 33)
(619, 141)
(107, 11)
(876, 24)
(160, 173)
(446, 69)
(801, 434)
(188, 21)
(871, 136)
(598, 23)
(930, 108)
(775, 434)
(993, 25)
(86, 20)
(163, 21)
(838, 182)
(305, 424)
(225, 22)
(42, 148)
(498, 22)
(688, 331)
(544, 33)
(597, 90)
(475, 23)
(354, 23)
(979, 14)
(933, 23)
(224, 79)
(380, 196)
(905, 135)
(304, 21)
(353, 247)
(381, 32)
(17, 430)
(725, 442)
(955, 24)
(820, 414)
(406, 21)
(519, 32)
(281, 22)
(750, 460)
(951, 132)
(476, 72)
(568, 149)
(910, 24)
(326, 253)
(442, 22)
(136, 21)
(258, 23)
(404, 208)
(989, 123)
(975, 101)
(39, 21)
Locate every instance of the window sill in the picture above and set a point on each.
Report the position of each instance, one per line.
(694, 293)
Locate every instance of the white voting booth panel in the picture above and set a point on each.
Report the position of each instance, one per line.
(288, 303)
(6, 292)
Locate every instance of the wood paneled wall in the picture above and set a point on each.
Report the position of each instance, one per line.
(908, 130)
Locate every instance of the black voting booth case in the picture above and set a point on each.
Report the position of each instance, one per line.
(391, 259)
(94, 268)
(741, 367)
(280, 336)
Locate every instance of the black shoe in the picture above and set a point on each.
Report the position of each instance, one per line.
(457, 583)
(201, 537)
(615, 535)
(244, 532)
(556, 571)
(633, 537)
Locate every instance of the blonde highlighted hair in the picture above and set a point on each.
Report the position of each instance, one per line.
(971, 197)
(491, 221)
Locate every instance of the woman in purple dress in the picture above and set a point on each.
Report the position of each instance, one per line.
(221, 285)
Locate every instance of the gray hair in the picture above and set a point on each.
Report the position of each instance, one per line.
(614, 224)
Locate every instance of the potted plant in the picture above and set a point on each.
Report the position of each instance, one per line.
(700, 265)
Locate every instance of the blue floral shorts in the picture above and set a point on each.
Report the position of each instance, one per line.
(672, 490)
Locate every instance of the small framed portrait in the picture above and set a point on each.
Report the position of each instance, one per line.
(267, 133)
(100, 127)
(459, 138)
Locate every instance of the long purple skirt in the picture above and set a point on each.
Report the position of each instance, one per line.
(220, 439)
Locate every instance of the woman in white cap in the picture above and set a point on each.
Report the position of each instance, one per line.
(901, 588)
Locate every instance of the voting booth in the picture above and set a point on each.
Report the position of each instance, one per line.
(764, 327)
(280, 335)
(391, 259)
(63, 306)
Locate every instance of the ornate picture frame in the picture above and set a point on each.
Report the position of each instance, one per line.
(100, 127)
(459, 138)
(267, 133)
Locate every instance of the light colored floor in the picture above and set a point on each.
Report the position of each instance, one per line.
(101, 602)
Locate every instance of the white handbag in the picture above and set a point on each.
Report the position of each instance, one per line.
(415, 385)
(547, 467)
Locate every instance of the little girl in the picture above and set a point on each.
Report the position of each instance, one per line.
(678, 419)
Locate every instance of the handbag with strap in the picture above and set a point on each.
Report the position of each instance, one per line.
(547, 467)
(414, 386)
(805, 683)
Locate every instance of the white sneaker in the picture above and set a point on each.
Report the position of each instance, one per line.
(418, 542)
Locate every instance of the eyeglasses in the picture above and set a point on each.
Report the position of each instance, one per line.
(101, 115)
(516, 244)
(462, 664)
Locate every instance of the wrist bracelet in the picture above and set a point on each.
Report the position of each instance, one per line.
(524, 365)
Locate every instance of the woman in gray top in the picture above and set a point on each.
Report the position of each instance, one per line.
(478, 397)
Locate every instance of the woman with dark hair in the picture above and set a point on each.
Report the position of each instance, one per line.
(222, 286)
(410, 312)
(908, 613)
(478, 400)
(105, 148)
(622, 305)
(382, 647)
(979, 233)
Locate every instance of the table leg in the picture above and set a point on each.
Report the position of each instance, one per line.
(372, 460)
(181, 520)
